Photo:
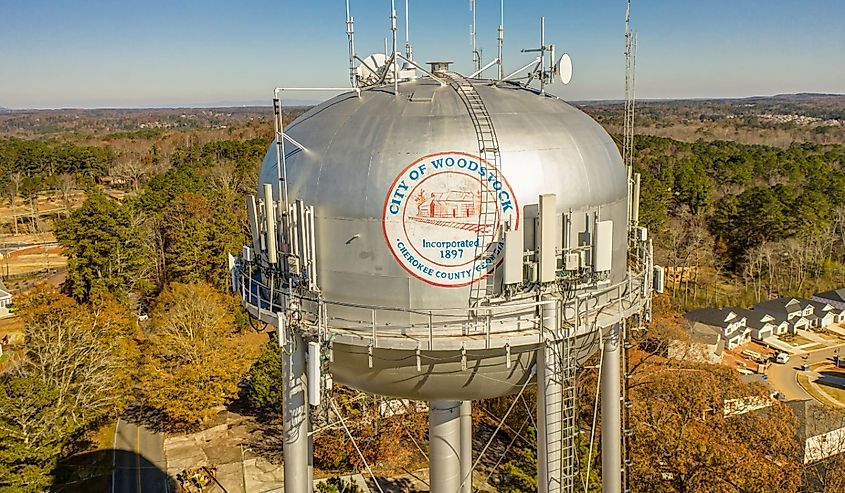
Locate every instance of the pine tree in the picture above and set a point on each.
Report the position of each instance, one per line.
(35, 427)
(103, 248)
(264, 392)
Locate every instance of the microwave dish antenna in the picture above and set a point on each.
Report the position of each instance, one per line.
(371, 69)
(563, 68)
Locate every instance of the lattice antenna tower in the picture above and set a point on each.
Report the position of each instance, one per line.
(633, 195)
(630, 68)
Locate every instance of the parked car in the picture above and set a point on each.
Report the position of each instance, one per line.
(781, 358)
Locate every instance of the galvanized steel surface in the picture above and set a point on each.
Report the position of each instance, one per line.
(356, 146)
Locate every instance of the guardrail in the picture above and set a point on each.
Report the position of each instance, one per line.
(581, 313)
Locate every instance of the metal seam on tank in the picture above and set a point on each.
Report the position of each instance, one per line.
(577, 146)
(373, 100)
(328, 148)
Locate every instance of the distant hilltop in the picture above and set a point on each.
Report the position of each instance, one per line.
(221, 105)
(806, 96)
(801, 96)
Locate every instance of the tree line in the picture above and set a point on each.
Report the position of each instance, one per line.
(86, 356)
(752, 214)
(45, 158)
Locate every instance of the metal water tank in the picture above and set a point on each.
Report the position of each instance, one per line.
(382, 247)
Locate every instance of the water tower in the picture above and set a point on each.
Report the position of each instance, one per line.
(447, 238)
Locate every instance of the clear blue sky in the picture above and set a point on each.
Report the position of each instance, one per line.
(107, 53)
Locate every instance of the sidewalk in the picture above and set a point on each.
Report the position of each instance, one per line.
(836, 328)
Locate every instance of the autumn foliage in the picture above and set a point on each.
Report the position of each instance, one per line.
(192, 360)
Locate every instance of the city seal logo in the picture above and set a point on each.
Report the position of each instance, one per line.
(443, 216)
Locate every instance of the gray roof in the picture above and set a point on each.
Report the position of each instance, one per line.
(818, 306)
(778, 305)
(753, 318)
(710, 316)
(704, 333)
(815, 419)
(835, 295)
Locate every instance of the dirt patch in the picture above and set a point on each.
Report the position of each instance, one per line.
(795, 339)
(27, 260)
(10, 326)
(47, 204)
(735, 359)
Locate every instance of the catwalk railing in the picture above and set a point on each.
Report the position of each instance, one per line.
(581, 312)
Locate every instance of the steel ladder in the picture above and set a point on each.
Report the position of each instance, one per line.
(488, 151)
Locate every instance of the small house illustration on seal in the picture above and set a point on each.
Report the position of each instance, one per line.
(450, 204)
(459, 209)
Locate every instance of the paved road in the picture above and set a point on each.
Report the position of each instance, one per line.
(139, 465)
(783, 377)
(11, 247)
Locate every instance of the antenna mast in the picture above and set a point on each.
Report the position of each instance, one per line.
(409, 54)
(393, 57)
(501, 38)
(633, 205)
(476, 57)
(350, 33)
(630, 64)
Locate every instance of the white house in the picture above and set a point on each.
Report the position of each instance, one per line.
(704, 345)
(798, 313)
(5, 300)
(825, 312)
(836, 299)
(762, 324)
(821, 430)
(731, 324)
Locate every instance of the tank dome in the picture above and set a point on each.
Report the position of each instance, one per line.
(370, 156)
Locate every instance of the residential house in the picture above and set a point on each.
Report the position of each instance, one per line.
(705, 345)
(731, 324)
(836, 299)
(796, 312)
(762, 324)
(5, 300)
(821, 430)
(825, 312)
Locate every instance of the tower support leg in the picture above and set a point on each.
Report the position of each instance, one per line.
(444, 446)
(466, 446)
(611, 414)
(296, 419)
(549, 393)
